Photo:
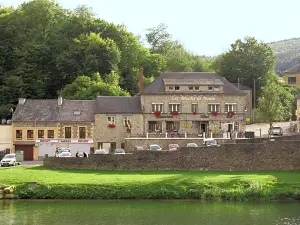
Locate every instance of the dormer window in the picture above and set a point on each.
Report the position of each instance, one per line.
(76, 112)
(210, 88)
(177, 88)
(197, 88)
(191, 88)
(171, 87)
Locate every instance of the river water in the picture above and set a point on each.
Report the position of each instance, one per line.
(86, 212)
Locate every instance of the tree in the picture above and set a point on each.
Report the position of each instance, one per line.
(87, 88)
(247, 59)
(270, 108)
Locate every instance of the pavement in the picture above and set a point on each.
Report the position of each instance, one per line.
(32, 163)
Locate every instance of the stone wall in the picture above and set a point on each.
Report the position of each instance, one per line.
(164, 142)
(280, 155)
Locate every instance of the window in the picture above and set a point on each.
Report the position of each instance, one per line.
(50, 134)
(111, 119)
(155, 126)
(76, 112)
(217, 88)
(177, 88)
(172, 125)
(171, 88)
(291, 80)
(174, 107)
(82, 132)
(194, 107)
(210, 88)
(19, 134)
(230, 107)
(126, 122)
(68, 132)
(213, 108)
(29, 134)
(41, 134)
(191, 88)
(197, 88)
(157, 107)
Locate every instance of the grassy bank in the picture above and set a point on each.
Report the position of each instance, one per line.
(205, 185)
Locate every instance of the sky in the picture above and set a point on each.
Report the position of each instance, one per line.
(204, 27)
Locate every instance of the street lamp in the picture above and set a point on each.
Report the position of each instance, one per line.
(254, 91)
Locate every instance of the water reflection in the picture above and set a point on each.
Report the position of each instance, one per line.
(83, 212)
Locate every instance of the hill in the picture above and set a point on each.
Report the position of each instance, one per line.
(287, 53)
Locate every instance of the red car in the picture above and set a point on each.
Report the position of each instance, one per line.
(173, 147)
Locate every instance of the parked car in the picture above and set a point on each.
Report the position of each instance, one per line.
(61, 150)
(9, 160)
(173, 147)
(138, 148)
(101, 151)
(64, 154)
(210, 142)
(154, 148)
(119, 151)
(276, 130)
(191, 145)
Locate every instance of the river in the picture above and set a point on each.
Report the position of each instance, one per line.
(86, 212)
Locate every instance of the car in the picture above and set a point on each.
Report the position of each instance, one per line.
(101, 152)
(9, 160)
(154, 148)
(276, 131)
(191, 145)
(64, 154)
(210, 142)
(119, 151)
(173, 147)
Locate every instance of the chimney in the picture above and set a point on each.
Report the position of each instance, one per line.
(59, 101)
(141, 81)
(22, 101)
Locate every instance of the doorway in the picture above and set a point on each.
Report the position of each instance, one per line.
(230, 127)
(203, 127)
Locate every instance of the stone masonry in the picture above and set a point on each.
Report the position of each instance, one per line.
(281, 155)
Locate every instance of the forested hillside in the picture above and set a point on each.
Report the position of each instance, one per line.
(46, 50)
(287, 53)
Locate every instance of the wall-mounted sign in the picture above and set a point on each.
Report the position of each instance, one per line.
(192, 98)
(64, 141)
(204, 116)
(164, 116)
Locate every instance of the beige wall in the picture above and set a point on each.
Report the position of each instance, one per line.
(206, 99)
(297, 75)
(6, 136)
(103, 134)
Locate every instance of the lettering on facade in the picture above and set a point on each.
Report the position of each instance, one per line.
(192, 98)
(204, 116)
(165, 116)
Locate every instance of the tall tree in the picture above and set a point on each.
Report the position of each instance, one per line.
(246, 61)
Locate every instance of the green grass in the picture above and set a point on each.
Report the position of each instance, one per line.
(208, 185)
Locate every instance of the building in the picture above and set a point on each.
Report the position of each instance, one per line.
(181, 104)
(292, 76)
(6, 136)
(40, 126)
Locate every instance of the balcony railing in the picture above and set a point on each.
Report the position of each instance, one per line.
(185, 135)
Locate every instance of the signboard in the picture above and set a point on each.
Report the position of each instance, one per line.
(64, 141)
(192, 98)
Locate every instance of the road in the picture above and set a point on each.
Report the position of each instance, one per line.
(265, 128)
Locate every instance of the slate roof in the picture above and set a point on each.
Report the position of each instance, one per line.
(86, 108)
(242, 86)
(294, 69)
(44, 110)
(47, 110)
(189, 78)
(118, 104)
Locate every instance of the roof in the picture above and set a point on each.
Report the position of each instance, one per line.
(37, 110)
(118, 104)
(294, 69)
(47, 110)
(190, 78)
(242, 86)
(84, 110)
